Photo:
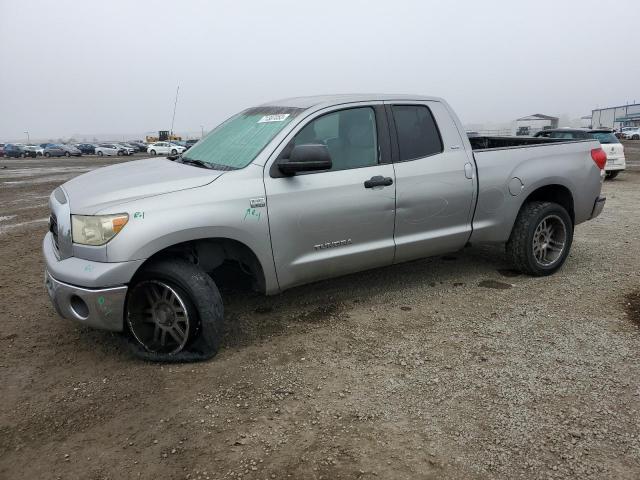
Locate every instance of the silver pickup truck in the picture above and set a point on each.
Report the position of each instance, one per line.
(300, 190)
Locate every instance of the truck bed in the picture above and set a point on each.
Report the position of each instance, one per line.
(485, 143)
(510, 168)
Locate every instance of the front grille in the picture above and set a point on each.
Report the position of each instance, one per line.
(53, 228)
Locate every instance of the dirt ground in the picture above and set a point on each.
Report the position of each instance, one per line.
(451, 367)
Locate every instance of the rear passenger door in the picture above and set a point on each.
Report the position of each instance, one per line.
(435, 184)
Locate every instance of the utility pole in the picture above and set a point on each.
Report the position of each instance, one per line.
(28, 139)
(174, 113)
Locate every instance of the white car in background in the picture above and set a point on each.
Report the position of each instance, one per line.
(631, 133)
(35, 148)
(165, 148)
(109, 149)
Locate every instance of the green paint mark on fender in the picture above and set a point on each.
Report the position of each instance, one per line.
(100, 300)
(252, 213)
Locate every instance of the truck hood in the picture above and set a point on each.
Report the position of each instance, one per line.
(105, 187)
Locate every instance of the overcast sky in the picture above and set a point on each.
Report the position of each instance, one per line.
(100, 67)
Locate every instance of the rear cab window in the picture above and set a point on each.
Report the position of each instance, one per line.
(417, 133)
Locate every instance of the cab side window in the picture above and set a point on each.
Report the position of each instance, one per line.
(417, 131)
(350, 136)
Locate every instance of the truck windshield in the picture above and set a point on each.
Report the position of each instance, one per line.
(605, 137)
(235, 143)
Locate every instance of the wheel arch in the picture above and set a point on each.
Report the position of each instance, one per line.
(553, 192)
(209, 253)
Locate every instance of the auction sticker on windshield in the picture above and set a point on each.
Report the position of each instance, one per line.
(274, 118)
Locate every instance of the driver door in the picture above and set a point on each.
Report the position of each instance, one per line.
(329, 223)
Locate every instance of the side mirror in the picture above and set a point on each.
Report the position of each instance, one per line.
(309, 157)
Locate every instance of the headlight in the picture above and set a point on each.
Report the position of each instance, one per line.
(96, 229)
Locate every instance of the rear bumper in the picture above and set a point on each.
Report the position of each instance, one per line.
(598, 206)
(612, 164)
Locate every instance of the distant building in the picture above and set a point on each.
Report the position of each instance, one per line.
(616, 117)
(585, 122)
(534, 123)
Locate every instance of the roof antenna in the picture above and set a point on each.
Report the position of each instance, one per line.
(175, 104)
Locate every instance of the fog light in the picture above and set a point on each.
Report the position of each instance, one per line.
(79, 307)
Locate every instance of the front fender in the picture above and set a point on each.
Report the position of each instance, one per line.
(217, 210)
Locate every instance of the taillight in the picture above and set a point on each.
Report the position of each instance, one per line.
(599, 157)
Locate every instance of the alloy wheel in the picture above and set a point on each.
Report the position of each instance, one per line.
(549, 240)
(157, 317)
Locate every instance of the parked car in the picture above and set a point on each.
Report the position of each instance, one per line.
(127, 149)
(142, 147)
(611, 145)
(35, 148)
(165, 148)
(54, 150)
(631, 133)
(190, 143)
(109, 149)
(13, 150)
(71, 151)
(352, 183)
(86, 148)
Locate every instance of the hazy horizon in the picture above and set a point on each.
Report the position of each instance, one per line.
(74, 67)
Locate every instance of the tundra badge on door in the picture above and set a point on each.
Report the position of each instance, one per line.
(337, 243)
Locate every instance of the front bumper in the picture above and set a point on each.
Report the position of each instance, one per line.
(99, 308)
(598, 206)
(91, 293)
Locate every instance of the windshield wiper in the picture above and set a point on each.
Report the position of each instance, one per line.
(196, 163)
(202, 163)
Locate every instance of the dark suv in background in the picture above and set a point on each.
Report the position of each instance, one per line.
(17, 151)
(86, 148)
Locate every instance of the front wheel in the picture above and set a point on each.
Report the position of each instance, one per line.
(541, 238)
(152, 152)
(613, 174)
(67, 154)
(636, 137)
(174, 312)
(174, 152)
(100, 153)
(47, 154)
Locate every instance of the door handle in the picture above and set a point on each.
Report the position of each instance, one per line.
(378, 181)
(468, 170)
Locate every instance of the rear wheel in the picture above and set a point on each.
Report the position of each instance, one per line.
(174, 152)
(541, 238)
(613, 174)
(636, 137)
(174, 312)
(47, 154)
(100, 153)
(67, 154)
